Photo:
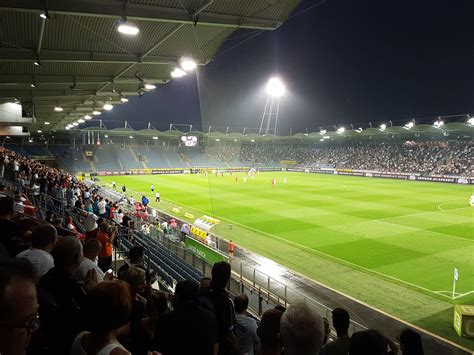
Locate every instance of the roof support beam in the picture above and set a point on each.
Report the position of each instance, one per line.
(51, 56)
(67, 79)
(145, 12)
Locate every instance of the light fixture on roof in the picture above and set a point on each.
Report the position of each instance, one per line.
(252, 140)
(87, 117)
(33, 85)
(178, 73)
(40, 131)
(108, 107)
(131, 137)
(127, 28)
(106, 136)
(155, 138)
(188, 64)
(383, 126)
(123, 99)
(68, 128)
(80, 120)
(470, 120)
(58, 108)
(46, 123)
(30, 140)
(44, 14)
(37, 62)
(149, 87)
(341, 130)
(75, 124)
(96, 113)
(322, 132)
(439, 123)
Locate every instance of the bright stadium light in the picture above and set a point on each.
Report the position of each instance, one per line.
(470, 121)
(322, 132)
(80, 121)
(123, 99)
(150, 87)
(75, 124)
(155, 138)
(58, 109)
(341, 130)
(46, 123)
(178, 73)
(108, 107)
(131, 137)
(39, 131)
(96, 113)
(275, 87)
(127, 28)
(383, 126)
(409, 125)
(187, 64)
(438, 124)
(87, 117)
(68, 128)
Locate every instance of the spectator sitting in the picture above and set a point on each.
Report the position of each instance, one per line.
(410, 343)
(18, 307)
(302, 330)
(108, 308)
(269, 332)
(91, 251)
(43, 240)
(61, 298)
(245, 328)
(341, 322)
(199, 325)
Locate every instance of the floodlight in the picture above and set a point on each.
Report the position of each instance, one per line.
(383, 126)
(321, 140)
(322, 132)
(80, 121)
(409, 125)
(326, 137)
(68, 128)
(46, 123)
(155, 138)
(108, 107)
(33, 85)
(58, 109)
(178, 73)
(187, 64)
(341, 130)
(127, 28)
(218, 139)
(75, 124)
(235, 140)
(275, 87)
(470, 121)
(96, 113)
(39, 131)
(37, 62)
(438, 124)
(131, 137)
(44, 14)
(150, 87)
(123, 99)
(87, 117)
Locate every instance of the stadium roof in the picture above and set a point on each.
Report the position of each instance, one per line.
(85, 62)
(452, 129)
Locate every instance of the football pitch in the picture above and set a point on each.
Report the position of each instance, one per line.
(379, 240)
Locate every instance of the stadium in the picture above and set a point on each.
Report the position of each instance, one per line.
(133, 234)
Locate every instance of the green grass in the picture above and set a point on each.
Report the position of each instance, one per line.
(393, 244)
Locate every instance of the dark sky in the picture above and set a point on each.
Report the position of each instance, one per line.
(345, 61)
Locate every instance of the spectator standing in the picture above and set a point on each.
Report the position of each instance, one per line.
(8, 228)
(341, 322)
(106, 236)
(18, 307)
(109, 306)
(90, 224)
(302, 330)
(269, 333)
(245, 328)
(410, 343)
(91, 252)
(102, 208)
(198, 326)
(43, 239)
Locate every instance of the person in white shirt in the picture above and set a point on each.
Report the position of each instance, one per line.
(90, 221)
(91, 251)
(157, 197)
(152, 188)
(102, 209)
(131, 200)
(43, 239)
(471, 201)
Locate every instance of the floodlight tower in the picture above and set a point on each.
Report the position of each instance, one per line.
(275, 90)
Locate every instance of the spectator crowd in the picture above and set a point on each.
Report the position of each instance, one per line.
(58, 294)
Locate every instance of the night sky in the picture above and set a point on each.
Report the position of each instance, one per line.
(345, 61)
